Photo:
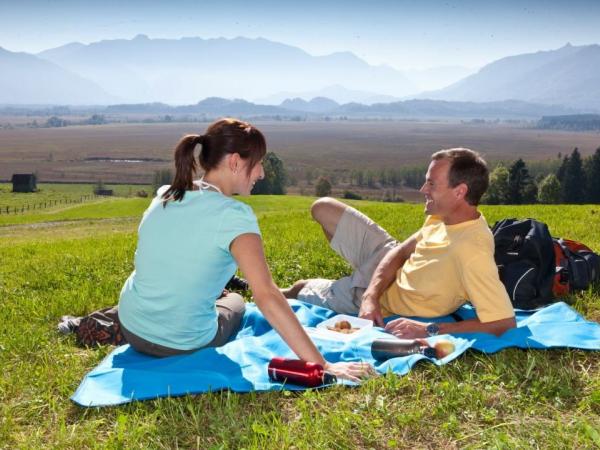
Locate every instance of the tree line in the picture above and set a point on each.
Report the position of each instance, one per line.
(573, 122)
(569, 179)
(576, 180)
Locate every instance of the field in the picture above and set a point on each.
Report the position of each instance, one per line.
(52, 196)
(71, 153)
(74, 259)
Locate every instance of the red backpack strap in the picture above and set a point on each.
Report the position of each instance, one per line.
(561, 286)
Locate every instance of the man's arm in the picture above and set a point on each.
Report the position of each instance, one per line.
(488, 295)
(382, 278)
(410, 329)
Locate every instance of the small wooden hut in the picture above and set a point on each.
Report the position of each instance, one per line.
(24, 182)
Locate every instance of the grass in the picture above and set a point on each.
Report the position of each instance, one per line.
(75, 260)
(52, 197)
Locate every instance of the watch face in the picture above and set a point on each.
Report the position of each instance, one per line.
(433, 329)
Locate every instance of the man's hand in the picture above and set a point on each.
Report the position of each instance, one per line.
(371, 310)
(407, 329)
(410, 329)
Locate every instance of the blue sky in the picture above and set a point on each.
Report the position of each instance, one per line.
(402, 34)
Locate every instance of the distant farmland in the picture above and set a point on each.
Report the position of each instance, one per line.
(82, 153)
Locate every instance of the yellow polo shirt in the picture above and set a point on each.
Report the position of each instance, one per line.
(451, 265)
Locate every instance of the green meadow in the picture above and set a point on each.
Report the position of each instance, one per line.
(74, 259)
(57, 196)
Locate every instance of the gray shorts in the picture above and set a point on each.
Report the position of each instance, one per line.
(230, 309)
(362, 243)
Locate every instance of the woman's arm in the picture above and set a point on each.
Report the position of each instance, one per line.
(248, 252)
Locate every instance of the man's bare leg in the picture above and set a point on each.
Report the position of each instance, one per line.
(327, 212)
(292, 291)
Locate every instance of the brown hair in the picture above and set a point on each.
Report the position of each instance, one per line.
(466, 166)
(222, 137)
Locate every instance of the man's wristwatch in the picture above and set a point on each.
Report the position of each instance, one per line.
(433, 329)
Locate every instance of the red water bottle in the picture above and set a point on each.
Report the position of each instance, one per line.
(300, 372)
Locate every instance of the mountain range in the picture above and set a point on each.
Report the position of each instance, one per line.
(567, 76)
(178, 70)
(336, 92)
(320, 107)
(181, 71)
(26, 79)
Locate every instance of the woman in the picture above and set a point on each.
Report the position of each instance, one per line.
(192, 238)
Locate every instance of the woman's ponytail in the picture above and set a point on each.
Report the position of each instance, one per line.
(185, 168)
(223, 137)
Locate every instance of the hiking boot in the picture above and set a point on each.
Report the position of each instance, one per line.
(237, 284)
(68, 324)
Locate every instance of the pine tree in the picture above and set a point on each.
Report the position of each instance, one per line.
(592, 177)
(560, 173)
(573, 183)
(519, 183)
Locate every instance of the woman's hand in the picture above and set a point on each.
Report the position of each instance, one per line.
(353, 371)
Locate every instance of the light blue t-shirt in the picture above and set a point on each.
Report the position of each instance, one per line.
(182, 264)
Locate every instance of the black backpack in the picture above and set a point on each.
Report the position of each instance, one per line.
(524, 254)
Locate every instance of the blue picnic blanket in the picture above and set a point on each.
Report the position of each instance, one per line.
(241, 365)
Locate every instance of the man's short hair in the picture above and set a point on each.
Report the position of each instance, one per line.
(466, 166)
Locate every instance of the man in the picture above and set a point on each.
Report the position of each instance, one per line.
(448, 262)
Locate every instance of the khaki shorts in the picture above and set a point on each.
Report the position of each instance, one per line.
(362, 243)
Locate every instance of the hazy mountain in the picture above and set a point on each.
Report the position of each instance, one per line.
(216, 106)
(567, 76)
(506, 109)
(336, 92)
(320, 107)
(316, 105)
(212, 106)
(143, 108)
(179, 71)
(27, 79)
(437, 77)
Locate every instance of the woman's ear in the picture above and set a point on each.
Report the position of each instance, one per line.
(234, 162)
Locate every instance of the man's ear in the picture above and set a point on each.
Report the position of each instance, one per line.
(461, 190)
